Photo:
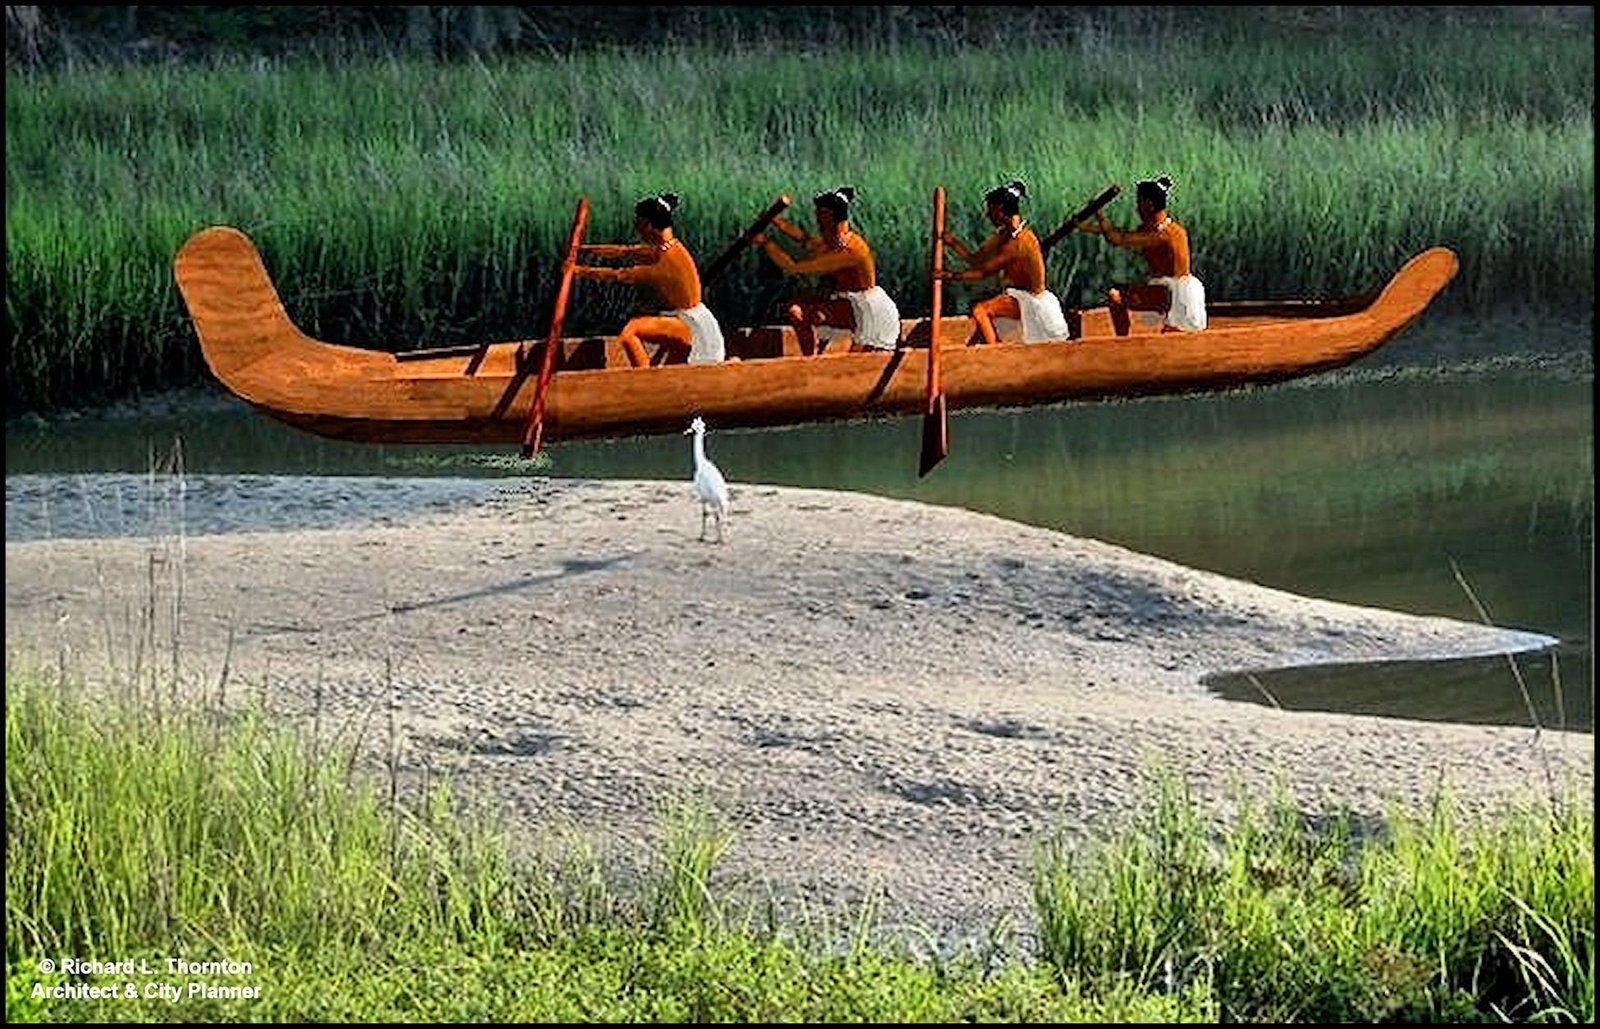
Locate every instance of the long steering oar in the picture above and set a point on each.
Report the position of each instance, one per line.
(935, 427)
(533, 436)
(1082, 214)
(719, 264)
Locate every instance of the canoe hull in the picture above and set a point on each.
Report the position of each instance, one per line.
(481, 395)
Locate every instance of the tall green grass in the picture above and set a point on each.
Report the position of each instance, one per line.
(137, 828)
(1418, 918)
(406, 203)
(141, 831)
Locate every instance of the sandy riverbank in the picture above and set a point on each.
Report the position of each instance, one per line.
(878, 693)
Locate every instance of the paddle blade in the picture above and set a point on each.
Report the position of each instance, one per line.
(935, 436)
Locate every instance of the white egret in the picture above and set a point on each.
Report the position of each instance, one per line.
(709, 485)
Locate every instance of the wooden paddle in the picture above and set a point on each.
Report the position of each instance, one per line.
(1087, 211)
(533, 437)
(719, 264)
(935, 426)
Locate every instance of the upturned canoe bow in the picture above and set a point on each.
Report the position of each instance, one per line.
(454, 395)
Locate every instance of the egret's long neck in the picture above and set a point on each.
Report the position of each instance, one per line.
(699, 448)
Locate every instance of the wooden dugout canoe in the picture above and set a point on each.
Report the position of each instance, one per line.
(475, 395)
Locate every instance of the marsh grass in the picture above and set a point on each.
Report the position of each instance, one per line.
(404, 203)
(1419, 917)
(139, 828)
(145, 831)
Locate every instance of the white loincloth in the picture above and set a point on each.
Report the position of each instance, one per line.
(1042, 320)
(876, 316)
(707, 346)
(1188, 310)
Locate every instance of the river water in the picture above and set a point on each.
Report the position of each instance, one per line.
(1450, 474)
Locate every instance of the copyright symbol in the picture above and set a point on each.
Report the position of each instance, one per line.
(47, 966)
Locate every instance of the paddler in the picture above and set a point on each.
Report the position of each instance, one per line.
(685, 330)
(1025, 311)
(1172, 289)
(854, 304)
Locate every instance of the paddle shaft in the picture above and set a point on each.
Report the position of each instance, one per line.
(1087, 211)
(533, 437)
(720, 263)
(935, 425)
(937, 300)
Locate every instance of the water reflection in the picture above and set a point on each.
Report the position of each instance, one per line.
(1552, 690)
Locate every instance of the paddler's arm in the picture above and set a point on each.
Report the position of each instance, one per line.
(1132, 239)
(614, 249)
(960, 249)
(820, 264)
(638, 273)
(790, 229)
(987, 261)
(812, 244)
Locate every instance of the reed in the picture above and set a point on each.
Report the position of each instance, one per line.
(137, 828)
(403, 203)
(1424, 916)
(140, 830)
